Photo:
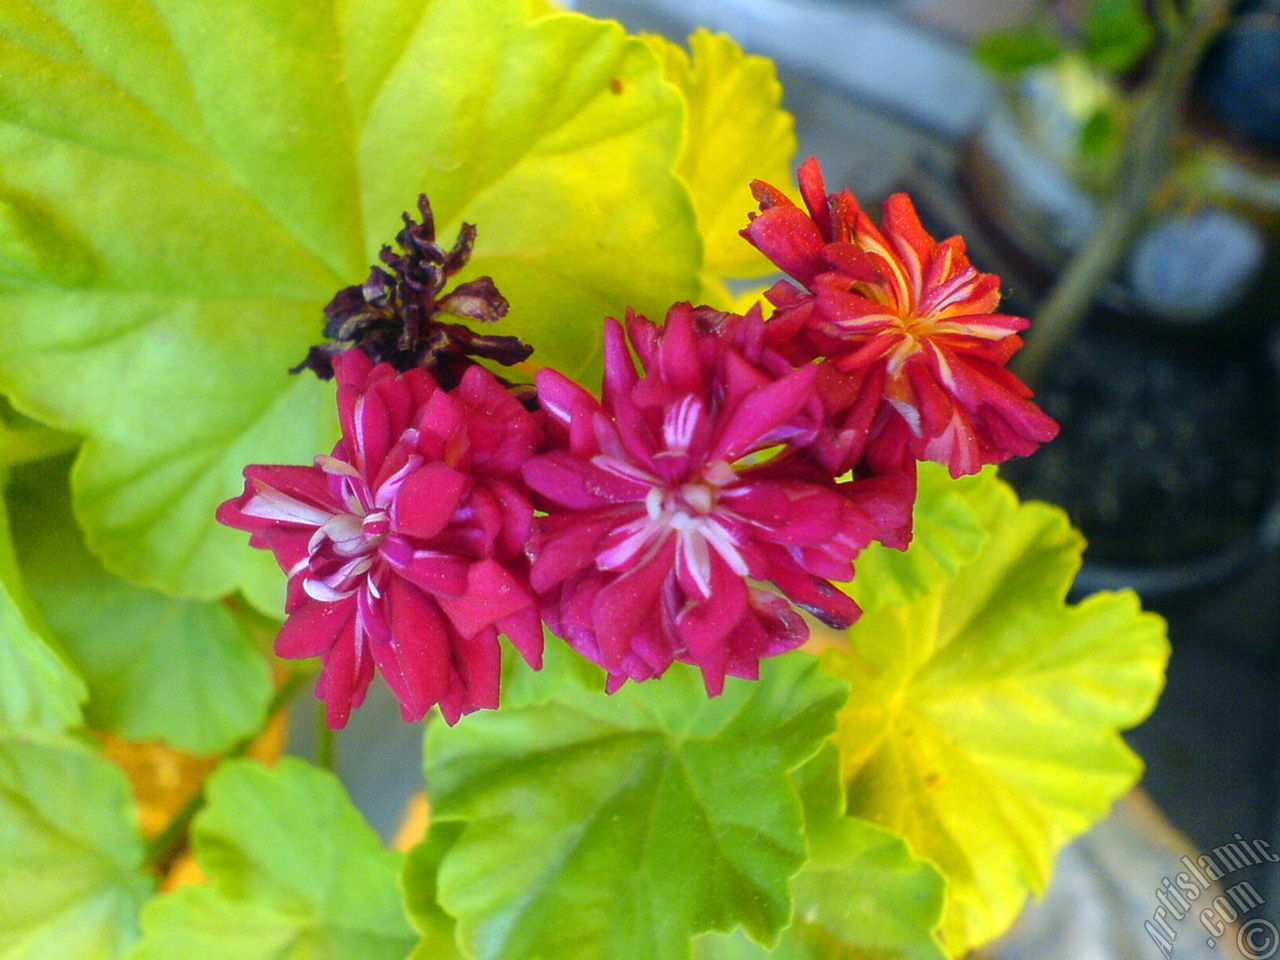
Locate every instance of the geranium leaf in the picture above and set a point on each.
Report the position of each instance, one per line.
(946, 533)
(862, 893)
(418, 880)
(294, 871)
(71, 871)
(737, 132)
(185, 186)
(157, 668)
(641, 819)
(23, 440)
(38, 688)
(983, 720)
(861, 896)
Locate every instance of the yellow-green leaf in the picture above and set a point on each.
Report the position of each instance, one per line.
(861, 896)
(984, 719)
(737, 132)
(418, 883)
(184, 186)
(156, 667)
(946, 532)
(294, 872)
(71, 878)
(39, 690)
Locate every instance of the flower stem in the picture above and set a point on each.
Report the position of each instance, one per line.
(1168, 19)
(1144, 167)
(168, 845)
(325, 741)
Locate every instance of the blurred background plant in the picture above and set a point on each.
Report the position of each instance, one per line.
(1163, 122)
(1129, 177)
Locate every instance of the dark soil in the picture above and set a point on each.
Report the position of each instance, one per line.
(1167, 451)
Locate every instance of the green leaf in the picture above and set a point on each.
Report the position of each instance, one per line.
(983, 720)
(1117, 33)
(861, 896)
(946, 533)
(71, 871)
(38, 688)
(181, 671)
(863, 890)
(737, 132)
(1008, 52)
(185, 185)
(294, 871)
(418, 881)
(23, 440)
(639, 819)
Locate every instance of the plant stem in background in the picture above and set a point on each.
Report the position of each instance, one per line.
(169, 844)
(324, 740)
(1168, 20)
(1143, 168)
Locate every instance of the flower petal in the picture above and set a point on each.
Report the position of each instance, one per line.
(560, 396)
(344, 679)
(493, 593)
(623, 606)
(438, 572)
(524, 629)
(619, 371)
(561, 478)
(564, 544)
(763, 412)
(314, 629)
(788, 237)
(419, 649)
(706, 627)
(427, 501)
(479, 668)
(815, 596)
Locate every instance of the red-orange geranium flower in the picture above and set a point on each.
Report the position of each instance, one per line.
(915, 351)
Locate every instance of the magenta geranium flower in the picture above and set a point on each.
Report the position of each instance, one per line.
(909, 327)
(404, 547)
(663, 504)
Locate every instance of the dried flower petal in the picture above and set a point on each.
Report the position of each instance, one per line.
(394, 317)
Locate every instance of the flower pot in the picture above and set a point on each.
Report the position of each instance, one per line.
(1166, 397)
(1166, 457)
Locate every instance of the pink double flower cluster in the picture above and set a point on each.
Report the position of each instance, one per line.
(685, 514)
